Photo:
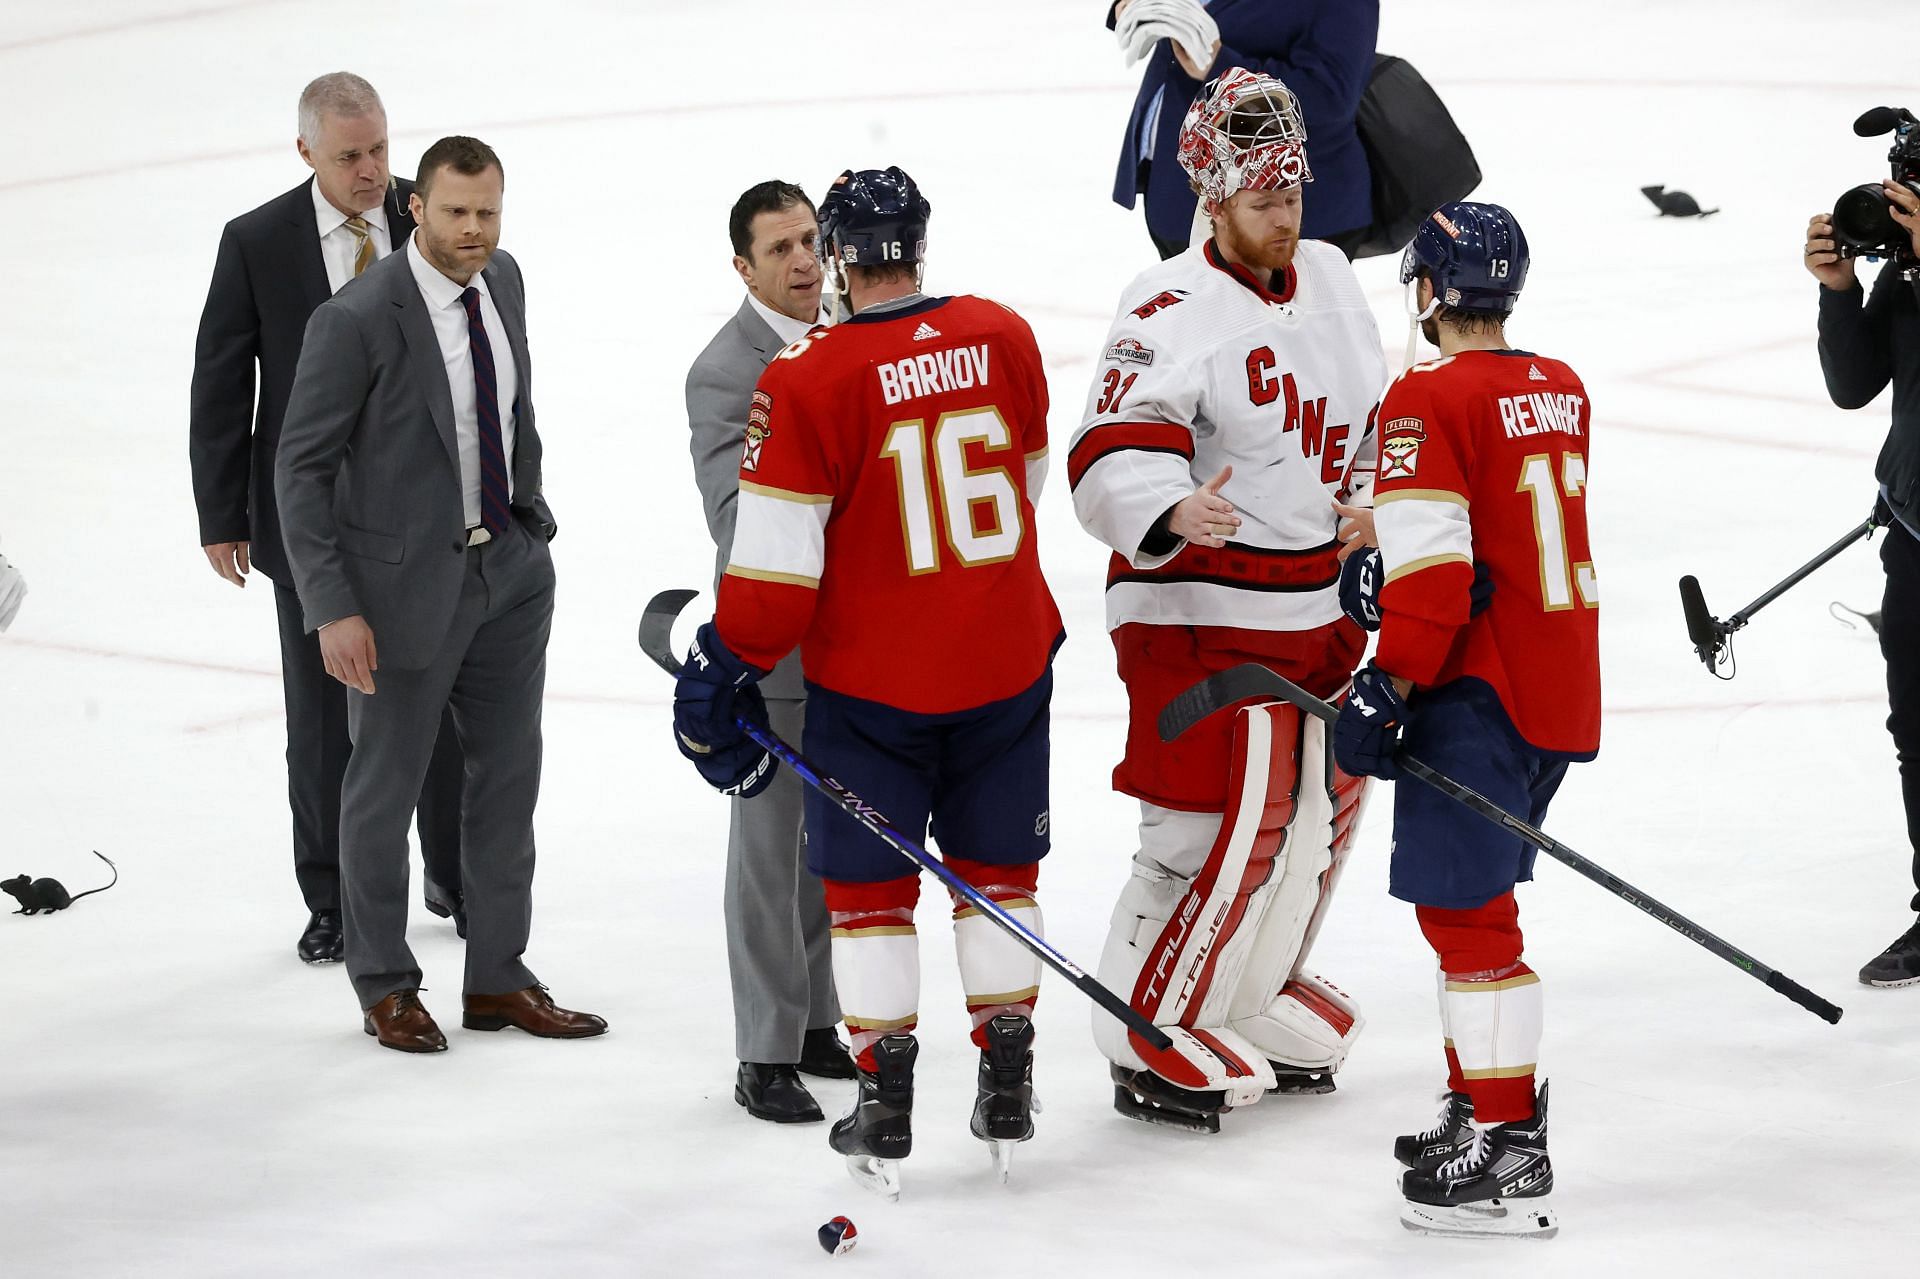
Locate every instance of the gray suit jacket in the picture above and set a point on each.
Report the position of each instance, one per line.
(719, 392)
(368, 471)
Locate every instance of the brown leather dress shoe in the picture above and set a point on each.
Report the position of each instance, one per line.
(533, 1011)
(400, 1022)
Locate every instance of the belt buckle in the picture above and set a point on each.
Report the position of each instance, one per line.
(478, 536)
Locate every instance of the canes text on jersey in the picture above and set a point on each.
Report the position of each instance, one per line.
(933, 373)
(1309, 417)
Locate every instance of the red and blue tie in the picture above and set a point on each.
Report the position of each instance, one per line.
(494, 512)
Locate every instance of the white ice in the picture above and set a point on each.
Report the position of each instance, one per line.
(179, 1096)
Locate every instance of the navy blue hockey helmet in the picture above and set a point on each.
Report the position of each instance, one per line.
(1475, 254)
(873, 217)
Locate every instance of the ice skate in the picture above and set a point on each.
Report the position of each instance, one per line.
(1003, 1111)
(1500, 1184)
(878, 1132)
(1143, 1095)
(1299, 1081)
(1452, 1132)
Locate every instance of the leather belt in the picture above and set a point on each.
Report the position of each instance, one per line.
(478, 536)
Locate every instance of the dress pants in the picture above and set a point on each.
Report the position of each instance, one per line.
(776, 916)
(490, 672)
(317, 750)
(1900, 645)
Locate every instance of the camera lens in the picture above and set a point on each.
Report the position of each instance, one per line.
(1861, 219)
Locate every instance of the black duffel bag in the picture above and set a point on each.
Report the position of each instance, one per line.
(1419, 157)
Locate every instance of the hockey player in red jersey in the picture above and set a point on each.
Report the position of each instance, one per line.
(1483, 468)
(1230, 410)
(886, 527)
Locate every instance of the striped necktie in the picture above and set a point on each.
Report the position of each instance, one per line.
(494, 514)
(363, 251)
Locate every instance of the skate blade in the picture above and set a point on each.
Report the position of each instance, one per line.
(1148, 1113)
(1002, 1153)
(1498, 1218)
(881, 1176)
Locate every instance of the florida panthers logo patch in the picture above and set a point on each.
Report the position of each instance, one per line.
(1400, 449)
(759, 430)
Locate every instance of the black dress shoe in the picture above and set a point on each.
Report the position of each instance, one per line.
(774, 1092)
(447, 906)
(823, 1056)
(320, 943)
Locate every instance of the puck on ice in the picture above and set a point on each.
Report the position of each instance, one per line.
(838, 1236)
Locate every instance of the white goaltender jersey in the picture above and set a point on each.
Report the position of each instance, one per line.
(1206, 368)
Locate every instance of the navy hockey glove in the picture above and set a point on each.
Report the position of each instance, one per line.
(1367, 733)
(1361, 579)
(715, 687)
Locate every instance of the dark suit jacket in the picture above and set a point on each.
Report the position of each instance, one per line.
(368, 473)
(268, 278)
(1320, 49)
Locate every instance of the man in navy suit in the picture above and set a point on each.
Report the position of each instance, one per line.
(1320, 49)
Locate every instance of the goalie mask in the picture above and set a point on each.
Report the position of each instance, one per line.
(1245, 134)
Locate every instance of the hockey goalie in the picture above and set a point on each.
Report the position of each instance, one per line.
(1231, 409)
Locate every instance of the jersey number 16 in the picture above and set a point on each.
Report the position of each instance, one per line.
(981, 507)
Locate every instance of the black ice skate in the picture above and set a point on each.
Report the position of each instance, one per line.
(1143, 1095)
(878, 1132)
(1451, 1133)
(1898, 964)
(1003, 1112)
(1499, 1185)
(1298, 1081)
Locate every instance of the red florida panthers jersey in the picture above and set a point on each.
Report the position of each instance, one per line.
(1483, 459)
(886, 515)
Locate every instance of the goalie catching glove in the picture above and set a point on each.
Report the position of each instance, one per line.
(714, 689)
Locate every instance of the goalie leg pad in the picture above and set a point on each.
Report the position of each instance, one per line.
(1298, 1021)
(1493, 1005)
(876, 960)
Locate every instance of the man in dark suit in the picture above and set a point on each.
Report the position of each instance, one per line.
(409, 487)
(276, 264)
(778, 956)
(1322, 50)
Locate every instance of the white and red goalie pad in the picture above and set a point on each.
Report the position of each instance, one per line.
(1210, 932)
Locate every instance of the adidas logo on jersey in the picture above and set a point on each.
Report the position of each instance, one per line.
(925, 331)
(1533, 372)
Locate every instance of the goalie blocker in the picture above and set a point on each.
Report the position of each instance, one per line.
(1212, 929)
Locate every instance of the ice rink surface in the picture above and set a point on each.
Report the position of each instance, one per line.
(183, 1098)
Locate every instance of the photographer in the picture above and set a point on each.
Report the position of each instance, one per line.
(1865, 342)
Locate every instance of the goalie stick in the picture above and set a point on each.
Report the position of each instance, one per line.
(656, 641)
(1240, 683)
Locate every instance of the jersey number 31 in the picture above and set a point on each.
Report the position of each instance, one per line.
(981, 507)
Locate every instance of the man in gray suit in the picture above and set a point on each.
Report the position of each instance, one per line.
(408, 480)
(776, 915)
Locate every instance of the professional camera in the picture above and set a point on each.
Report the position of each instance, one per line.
(1862, 225)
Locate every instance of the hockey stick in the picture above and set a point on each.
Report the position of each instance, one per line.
(656, 641)
(1217, 692)
(1710, 635)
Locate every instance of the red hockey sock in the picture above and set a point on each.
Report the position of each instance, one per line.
(998, 974)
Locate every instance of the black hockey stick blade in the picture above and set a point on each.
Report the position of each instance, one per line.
(656, 641)
(656, 627)
(1253, 680)
(1215, 693)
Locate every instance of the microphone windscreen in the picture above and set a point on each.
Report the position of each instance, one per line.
(1877, 120)
(1700, 628)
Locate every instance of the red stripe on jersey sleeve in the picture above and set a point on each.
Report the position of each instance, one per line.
(1151, 437)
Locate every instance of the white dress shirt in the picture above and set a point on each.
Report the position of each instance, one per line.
(339, 246)
(449, 314)
(785, 327)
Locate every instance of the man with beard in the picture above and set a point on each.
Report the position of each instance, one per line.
(409, 482)
(1231, 410)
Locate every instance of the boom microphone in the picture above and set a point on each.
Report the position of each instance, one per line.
(1878, 120)
(1701, 628)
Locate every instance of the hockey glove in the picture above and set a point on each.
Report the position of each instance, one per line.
(714, 688)
(1361, 579)
(1367, 733)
